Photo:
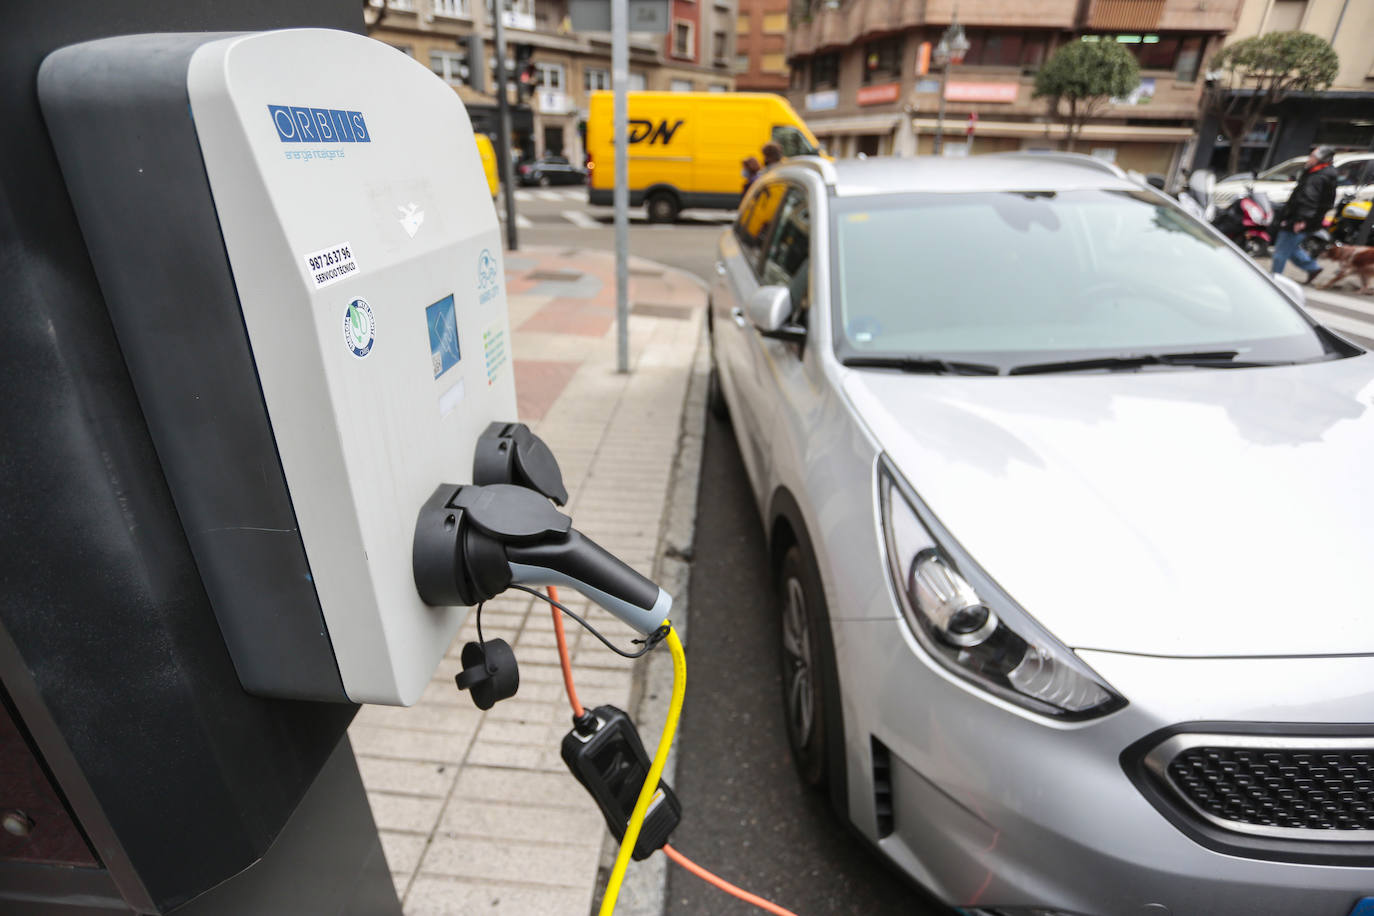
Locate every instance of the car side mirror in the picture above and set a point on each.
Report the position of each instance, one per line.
(768, 310)
(1292, 289)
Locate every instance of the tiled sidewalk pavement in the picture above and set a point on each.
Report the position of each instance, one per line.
(477, 812)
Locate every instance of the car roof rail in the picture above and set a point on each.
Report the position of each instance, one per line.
(1079, 159)
(819, 164)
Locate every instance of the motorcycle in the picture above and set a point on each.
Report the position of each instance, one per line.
(1198, 198)
(1343, 226)
(1248, 222)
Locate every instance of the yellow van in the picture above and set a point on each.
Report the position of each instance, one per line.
(687, 149)
(488, 154)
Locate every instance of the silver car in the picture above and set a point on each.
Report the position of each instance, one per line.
(1073, 536)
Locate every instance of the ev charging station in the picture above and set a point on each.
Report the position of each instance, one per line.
(292, 421)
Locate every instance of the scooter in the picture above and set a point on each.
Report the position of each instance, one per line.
(1344, 226)
(1248, 222)
(1198, 198)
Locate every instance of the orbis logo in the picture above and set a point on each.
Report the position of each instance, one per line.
(318, 125)
(645, 130)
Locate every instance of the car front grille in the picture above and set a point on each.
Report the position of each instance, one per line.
(1305, 788)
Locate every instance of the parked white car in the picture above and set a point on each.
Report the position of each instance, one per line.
(1071, 530)
(1356, 171)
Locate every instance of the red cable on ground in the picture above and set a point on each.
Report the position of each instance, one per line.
(668, 850)
(724, 885)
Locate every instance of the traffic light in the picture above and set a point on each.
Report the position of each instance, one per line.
(526, 73)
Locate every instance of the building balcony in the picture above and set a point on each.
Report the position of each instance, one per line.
(838, 23)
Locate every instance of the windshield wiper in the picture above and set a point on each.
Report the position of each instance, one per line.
(920, 364)
(1215, 359)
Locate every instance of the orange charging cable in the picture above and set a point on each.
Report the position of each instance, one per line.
(669, 851)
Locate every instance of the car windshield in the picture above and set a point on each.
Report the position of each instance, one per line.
(1285, 171)
(1010, 278)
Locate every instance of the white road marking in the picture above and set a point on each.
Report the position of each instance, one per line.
(547, 195)
(580, 219)
(1342, 322)
(522, 222)
(524, 195)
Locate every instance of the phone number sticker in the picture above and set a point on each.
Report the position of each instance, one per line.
(330, 265)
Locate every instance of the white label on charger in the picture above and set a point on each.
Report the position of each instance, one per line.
(330, 265)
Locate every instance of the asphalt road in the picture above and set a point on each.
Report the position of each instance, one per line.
(561, 217)
(746, 816)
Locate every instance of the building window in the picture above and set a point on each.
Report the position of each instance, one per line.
(717, 87)
(798, 79)
(741, 63)
(775, 23)
(774, 63)
(1286, 16)
(825, 71)
(882, 60)
(450, 66)
(680, 86)
(682, 38)
(1006, 49)
(456, 9)
(742, 22)
(404, 6)
(719, 49)
(1181, 54)
(637, 81)
(519, 13)
(549, 76)
(594, 79)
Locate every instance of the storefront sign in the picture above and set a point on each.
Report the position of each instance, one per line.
(982, 92)
(822, 101)
(878, 95)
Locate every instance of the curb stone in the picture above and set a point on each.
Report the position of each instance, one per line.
(644, 892)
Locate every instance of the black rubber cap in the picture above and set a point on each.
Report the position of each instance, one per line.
(491, 675)
(510, 513)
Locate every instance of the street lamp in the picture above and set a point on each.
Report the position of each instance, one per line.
(951, 50)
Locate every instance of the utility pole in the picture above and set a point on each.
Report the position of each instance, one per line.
(503, 134)
(620, 80)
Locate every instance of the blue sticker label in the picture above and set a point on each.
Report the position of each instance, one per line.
(1364, 908)
(297, 124)
(443, 335)
(359, 327)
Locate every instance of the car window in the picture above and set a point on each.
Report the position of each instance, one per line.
(1354, 172)
(792, 141)
(1286, 171)
(1011, 278)
(756, 221)
(788, 262)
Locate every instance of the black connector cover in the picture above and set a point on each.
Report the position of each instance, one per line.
(611, 764)
(510, 453)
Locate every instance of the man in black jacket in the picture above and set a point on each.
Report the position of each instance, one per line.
(1304, 211)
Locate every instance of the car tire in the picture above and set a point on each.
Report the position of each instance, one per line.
(544, 181)
(662, 207)
(806, 668)
(1256, 248)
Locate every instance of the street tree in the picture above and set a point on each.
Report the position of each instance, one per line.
(1249, 77)
(1080, 79)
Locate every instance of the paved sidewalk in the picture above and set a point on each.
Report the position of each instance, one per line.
(476, 810)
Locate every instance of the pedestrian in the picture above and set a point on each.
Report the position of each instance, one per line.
(751, 171)
(772, 154)
(1304, 211)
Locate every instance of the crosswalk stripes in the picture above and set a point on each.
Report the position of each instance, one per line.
(527, 195)
(1347, 315)
(580, 219)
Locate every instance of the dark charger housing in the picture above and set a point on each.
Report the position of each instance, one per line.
(611, 764)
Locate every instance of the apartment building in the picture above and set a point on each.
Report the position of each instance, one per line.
(454, 39)
(854, 74)
(1342, 116)
(761, 46)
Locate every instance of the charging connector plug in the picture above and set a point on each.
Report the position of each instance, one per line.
(611, 764)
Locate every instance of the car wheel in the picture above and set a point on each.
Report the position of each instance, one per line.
(662, 207)
(804, 668)
(545, 181)
(1255, 247)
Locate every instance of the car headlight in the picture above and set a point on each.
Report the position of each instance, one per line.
(969, 625)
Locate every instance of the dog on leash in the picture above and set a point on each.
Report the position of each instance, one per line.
(1353, 259)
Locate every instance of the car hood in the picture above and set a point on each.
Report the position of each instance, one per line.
(1189, 512)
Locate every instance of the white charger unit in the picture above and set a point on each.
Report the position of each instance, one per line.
(303, 265)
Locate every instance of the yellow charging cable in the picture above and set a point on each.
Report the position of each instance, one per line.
(646, 794)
